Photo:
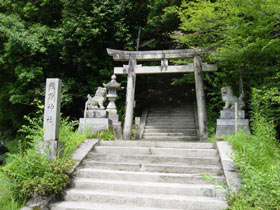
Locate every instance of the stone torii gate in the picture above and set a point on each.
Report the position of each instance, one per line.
(163, 55)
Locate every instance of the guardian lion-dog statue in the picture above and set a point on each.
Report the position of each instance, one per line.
(97, 101)
(230, 99)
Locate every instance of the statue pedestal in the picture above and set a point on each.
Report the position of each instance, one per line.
(93, 125)
(96, 113)
(226, 123)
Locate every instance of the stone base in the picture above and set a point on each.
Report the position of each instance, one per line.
(51, 148)
(114, 118)
(96, 113)
(93, 125)
(227, 127)
(117, 127)
(230, 114)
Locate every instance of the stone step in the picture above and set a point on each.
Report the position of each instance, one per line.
(154, 167)
(171, 138)
(183, 113)
(145, 200)
(172, 124)
(166, 126)
(78, 205)
(139, 143)
(153, 159)
(170, 114)
(180, 130)
(171, 121)
(148, 187)
(165, 118)
(180, 134)
(146, 176)
(156, 151)
(175, 108)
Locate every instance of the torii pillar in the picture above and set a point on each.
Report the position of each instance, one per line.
(130, 92)
(200, 98)
(164, 55)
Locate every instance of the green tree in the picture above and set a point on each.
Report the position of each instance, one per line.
(68, 39)
(246, 35)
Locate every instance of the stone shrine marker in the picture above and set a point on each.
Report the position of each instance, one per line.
(51, 116)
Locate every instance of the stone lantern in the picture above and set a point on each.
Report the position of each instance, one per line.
(112, 88)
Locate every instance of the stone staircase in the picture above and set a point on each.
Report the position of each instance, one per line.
(147, 175)
(176, 122)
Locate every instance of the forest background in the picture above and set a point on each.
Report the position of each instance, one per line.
(67, 39)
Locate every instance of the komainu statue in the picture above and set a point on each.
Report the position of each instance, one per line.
(97, 101)
(230, 99)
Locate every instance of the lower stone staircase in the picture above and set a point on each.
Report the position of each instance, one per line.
(177, 122)
(147, 175)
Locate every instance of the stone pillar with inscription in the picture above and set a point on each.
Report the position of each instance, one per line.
(51, 145)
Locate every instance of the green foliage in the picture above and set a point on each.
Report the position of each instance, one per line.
(105, 135)
(258, 160)
(7, 201)
(67, 39)
(71, 138)
(28, 173)
(246, 37)
(265, 102)
(31, 174)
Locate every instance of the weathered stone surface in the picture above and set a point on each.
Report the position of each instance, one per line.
(118, 176)
(139, 69)
(52, 109)
(94, 125)
(121, 55)
(114, 118)
(96, 101)
(232, 117)
(117, 127)
(230, 114)
(241, 122)
(137, 128)
(200, 98)
(96, 113)
(130, 95)
(230, 99)
(228, 128)
(226, 154)
(82, 151)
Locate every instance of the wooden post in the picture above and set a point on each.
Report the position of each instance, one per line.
(137, 128)
(130, 91)
(236, 117)
(200, 98)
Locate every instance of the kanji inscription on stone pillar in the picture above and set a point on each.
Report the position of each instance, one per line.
(52, 109)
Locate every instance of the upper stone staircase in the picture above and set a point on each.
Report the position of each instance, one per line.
(147, 175)
(171, 122)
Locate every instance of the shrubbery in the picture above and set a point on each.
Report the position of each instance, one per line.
(258, 160)
(258, 156)
(29, 174)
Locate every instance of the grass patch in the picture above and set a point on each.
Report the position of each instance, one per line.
(106, 135)
(258, 161)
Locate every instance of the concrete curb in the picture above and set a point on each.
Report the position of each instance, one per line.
(79, 155)
(226, 155)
